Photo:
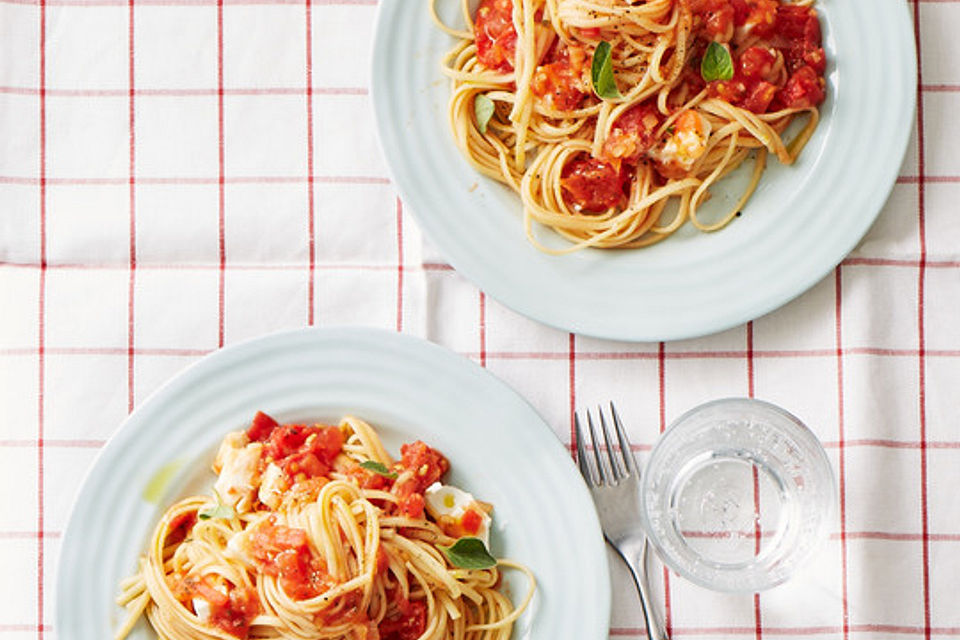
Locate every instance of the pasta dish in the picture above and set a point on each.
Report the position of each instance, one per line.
(612, 119)
(314, 531)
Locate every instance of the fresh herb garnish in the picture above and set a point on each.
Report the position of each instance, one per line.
(469, 553)
(601, 72)
(483, 109)
(717, 63)
(218, 511)
(378, 468)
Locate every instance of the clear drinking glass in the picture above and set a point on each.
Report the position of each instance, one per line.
(737, 493)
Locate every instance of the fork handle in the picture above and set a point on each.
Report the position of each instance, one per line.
(634, 554)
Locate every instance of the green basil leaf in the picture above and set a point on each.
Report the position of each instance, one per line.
(378, 468)
(483, 109)
(717, 63)
(219, 511)
(601, 71)
(469, 553)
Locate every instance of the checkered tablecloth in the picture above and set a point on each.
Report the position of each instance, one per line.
(177, 175)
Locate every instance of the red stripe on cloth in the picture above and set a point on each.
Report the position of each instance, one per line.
(921, 330)
(41, 315)
(662, 412)
(27, 535)
(55, 444)
(791, 631)
(131, 285)
(311, 205)
(757, 533)
(221, 195)
(841, 454)
(399, 265)
(483, 329)
(181, 93)
(183, 180)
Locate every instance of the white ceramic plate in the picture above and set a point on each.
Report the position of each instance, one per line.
(798, 226)
(499, 449)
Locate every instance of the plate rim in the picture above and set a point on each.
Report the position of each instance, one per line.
(375, 338)
(519, 299)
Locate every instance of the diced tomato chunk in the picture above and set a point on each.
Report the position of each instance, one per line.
(299, 449)
(733, 91)
(593, 186)
(798, 23)
(180, 527)
(236, 616)
(495, 34)
(261, 427)
(804, 89)
(760, 97)
(232, 607)
(427, 464)
(411, 504)
(471, 521)
(560, 83)
(408, 623)
(633, 133)
(756, 63)
(740, 11)
(283, 552)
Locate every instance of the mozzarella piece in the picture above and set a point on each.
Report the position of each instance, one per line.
(239, 475)
(272, 485)
(202, 609)
(446, 501)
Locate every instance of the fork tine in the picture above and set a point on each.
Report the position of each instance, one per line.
(626, 451)
(582, 461)
(605, 477)
(619, 472)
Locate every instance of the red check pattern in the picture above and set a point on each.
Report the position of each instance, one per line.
(176, 175)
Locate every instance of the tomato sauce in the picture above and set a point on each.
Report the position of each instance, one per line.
(782, 69)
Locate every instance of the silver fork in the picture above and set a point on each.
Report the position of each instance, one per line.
(614, 482)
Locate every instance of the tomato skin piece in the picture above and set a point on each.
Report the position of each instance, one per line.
(261, 427)
(495, 35)
(593, 186)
